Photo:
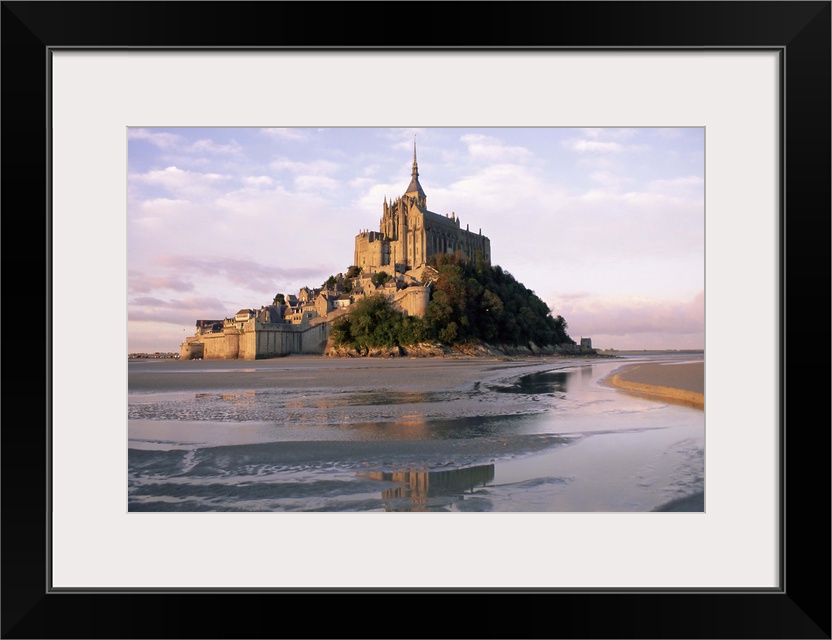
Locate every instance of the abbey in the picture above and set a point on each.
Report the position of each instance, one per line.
(392, 261)
(409, 234)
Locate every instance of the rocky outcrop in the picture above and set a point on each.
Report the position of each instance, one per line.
(470, 350)
(342, 351)
(426, 350)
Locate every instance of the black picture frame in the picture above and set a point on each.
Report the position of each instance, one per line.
(799, 608)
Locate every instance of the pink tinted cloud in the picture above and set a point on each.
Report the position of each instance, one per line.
(182, 311)
(646, 319)
(142, 283)
(241, 272)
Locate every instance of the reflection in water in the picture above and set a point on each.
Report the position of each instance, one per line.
(419, 485)
(225, 396)
(365, 398)
(538, 383)
(410, 426)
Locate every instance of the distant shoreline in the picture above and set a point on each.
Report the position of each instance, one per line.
(677, 382)
(649, 352)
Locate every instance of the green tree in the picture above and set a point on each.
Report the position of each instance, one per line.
(380, 278)
(375, 321)
(469, 302)
(279, 299)
(480, 302)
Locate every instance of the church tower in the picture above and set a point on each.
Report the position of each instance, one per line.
(409, 234)
(414, 189)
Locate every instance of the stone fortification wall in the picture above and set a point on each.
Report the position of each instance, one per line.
(313, 339)
(276, 340)
(222, 346)
(191, 350)
(260, 340)
(248, 342)
(413, 300)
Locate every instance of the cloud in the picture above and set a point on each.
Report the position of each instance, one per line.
(211, 147)
(188, 304)
(233, 283)
(593, 146)
(667, 133)
(361, 183)
(317, 168)
(677, 185)
(179, 311)
(154, 214)
(165, 141)
(574, 295)
(142, 283)
(285, 133)
(315, 183)
(258, 181)
(610, 180)
(634, 320)
(242, 273)
(482, 147)
(308, 176)
(177, 180)
(597, 133)
(403, 138)
(605, 141)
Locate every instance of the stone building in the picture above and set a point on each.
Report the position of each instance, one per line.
(409, 234)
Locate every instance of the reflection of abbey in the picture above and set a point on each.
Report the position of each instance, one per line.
(415, 488)
(391, 261)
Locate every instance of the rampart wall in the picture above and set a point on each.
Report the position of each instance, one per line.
(259, 340)
(413, 300)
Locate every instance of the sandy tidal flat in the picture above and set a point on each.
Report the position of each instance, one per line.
(319, 434)
(680, 382)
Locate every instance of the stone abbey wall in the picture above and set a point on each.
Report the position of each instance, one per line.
(259, 340)
(371, 251)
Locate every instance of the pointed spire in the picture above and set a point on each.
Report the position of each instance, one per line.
(414, 188)
(415, 171)
(415, 168)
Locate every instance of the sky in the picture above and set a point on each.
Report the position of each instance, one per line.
(607, 226)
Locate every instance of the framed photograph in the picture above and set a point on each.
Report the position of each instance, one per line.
(81, 78)
(438, 362)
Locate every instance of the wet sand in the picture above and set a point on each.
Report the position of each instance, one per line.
(690, 504)
(347, 374)
(677, 382)
(306, 391)
(299, 433)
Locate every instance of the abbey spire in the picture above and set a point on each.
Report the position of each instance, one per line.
(415, 171)
(414, 189)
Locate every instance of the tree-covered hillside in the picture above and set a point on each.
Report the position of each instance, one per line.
(468, 303)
